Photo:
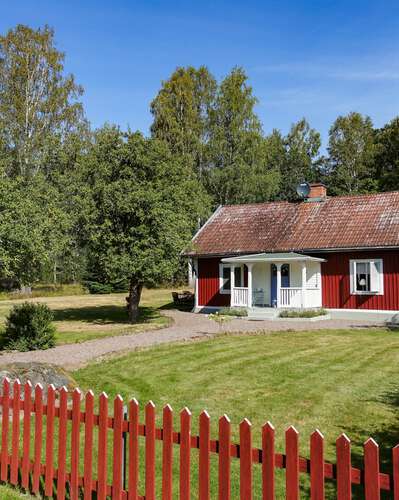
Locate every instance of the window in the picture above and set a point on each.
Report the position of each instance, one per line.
(366, 277)
(225, 281)
(237, 277)
(225, 277)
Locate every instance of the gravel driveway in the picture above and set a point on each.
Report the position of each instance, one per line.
(186, 326)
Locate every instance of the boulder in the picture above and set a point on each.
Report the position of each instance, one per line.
(37, 373)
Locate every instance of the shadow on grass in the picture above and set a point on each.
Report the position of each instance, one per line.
(387, 437)
(103, 315)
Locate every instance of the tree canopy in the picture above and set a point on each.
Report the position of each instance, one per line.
(144, 206)
(37, 101)
(120, 206)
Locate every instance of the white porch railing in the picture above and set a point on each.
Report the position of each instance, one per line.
(291, 297)
(239, 297)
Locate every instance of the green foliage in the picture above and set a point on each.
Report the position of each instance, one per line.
(95, 287)
(238, 171)
(37, 102)
(34, 227)
(181, 113)
(387, 155)
(144, 205)
(351, 164)
(301, 159)
(233, 311)
(29, 327)
(302, 313)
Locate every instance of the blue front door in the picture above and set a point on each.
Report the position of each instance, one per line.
(285, 281)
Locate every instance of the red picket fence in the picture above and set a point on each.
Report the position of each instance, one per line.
(57, 420)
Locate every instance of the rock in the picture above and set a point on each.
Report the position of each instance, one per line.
(37, 373)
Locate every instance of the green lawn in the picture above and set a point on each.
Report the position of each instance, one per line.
(85, 317)
(10, 493)
(337, 381)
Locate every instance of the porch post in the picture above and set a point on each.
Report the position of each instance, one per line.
(278, 266)
(303, 291)
(232, 284)
(249, 284)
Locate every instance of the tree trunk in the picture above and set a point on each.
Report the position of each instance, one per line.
(133, 300)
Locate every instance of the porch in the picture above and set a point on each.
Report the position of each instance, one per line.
(280, 280)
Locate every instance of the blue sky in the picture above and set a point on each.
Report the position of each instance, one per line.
(304, 58)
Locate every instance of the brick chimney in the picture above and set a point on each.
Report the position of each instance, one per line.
(318, 192)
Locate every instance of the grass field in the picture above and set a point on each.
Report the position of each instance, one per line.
(85, 317)
(10, 493)
(337, 381)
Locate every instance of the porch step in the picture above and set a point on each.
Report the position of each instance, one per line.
(262, 313)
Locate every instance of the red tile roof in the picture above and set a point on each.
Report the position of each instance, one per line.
(344, 222)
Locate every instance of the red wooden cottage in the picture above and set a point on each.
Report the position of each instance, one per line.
(341, 253)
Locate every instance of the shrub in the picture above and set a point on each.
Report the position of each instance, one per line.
(233, 311)
(96, 287)
(29, 327)
(302, 313)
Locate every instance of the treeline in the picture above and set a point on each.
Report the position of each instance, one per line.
(112, 207)
(216, 128)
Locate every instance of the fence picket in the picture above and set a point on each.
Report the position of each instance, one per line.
(4, 429)
(292, 463)
(49, 472)
(102, 448)
(62, 443)
(317, 466)
(15, 432)
(88, 446)
(224, 458)
(75, 444)
(150, 451)
(204, 456)
(245, 460)
(344, 488)
(185, 454)
(167, 453)
(374, 482)
(395, 472)
(26, 435)
(117, 449)
(38, 438)
(133, 449)
(268, 462)
(371, 470)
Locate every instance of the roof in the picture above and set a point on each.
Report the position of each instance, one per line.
(272, 257)
(342, 222)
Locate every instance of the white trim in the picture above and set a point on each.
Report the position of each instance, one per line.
(272, 257)
(221, 291)
(352, 276)
(232, 284)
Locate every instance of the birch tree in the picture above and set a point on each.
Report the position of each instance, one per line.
(36, 100)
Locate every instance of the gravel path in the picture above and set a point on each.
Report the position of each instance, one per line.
(186, 326)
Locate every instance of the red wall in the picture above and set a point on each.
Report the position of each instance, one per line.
(208, 284)
(336, 284)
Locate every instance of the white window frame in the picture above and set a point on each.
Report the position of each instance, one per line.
(228, 266)
(352, 269)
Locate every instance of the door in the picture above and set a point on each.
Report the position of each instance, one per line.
(285, 281)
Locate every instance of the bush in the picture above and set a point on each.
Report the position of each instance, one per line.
(233, 311)
(96, 287)
(302, 313)
(29, 327)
